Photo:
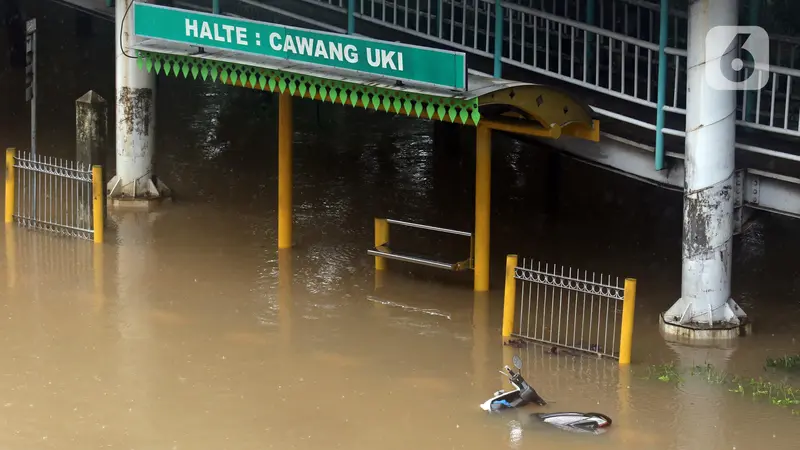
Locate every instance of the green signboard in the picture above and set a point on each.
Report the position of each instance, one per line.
(390, 59)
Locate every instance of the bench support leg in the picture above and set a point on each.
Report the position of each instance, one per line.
(381, 238)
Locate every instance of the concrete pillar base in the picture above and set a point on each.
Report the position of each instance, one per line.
(693, 332)
(143, 196)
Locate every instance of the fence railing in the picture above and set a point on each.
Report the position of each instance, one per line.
(618, 56)
(569, 308)
(55, 195)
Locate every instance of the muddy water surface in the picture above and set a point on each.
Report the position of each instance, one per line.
(189, 330)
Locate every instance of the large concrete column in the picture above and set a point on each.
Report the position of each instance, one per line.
(136, 118)
(705, 301)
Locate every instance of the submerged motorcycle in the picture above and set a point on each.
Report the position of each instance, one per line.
(590, 422)
(523, 394)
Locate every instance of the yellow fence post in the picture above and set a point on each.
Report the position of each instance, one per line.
(97, 203)
(381, 238)
(509, 300)
(10, 180)
(628, 305)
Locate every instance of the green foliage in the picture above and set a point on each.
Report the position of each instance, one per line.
(778, 394)
(785, 362)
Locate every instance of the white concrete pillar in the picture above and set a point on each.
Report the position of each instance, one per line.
(708, 197)
(136, 117)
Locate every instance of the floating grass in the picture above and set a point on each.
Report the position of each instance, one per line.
(787, 362)
(664, 372)
(778, 394)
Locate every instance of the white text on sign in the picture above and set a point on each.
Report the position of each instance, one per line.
(225, 35)
(298, 45)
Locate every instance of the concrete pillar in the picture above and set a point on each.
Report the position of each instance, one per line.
(708, 196)
(136, 119)
(91, 115)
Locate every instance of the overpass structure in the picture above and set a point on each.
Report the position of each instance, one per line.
(646, 70)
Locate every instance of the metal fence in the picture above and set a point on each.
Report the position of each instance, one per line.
(569, 308)
(54, 195)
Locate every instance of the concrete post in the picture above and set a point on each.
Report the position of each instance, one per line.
(136, 119)
(708, 195)
(91, 130)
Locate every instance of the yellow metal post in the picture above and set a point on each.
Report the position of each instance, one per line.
(509, 300)
(97, 203)
(381, 238)
(285, 141)
(628, 305)
(483, 190)
(10, 180)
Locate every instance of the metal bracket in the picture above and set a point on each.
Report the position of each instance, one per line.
(755, 186)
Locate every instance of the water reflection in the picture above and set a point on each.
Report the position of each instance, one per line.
(481, 336)
(285, 281)
(11, 255)
(700, 399)
(134, 312)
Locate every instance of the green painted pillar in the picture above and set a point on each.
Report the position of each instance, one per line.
(215, 7)
(498, 38)
(351, 16)
(589, 53)
(110, 3)
(438, 14)
(663, 35)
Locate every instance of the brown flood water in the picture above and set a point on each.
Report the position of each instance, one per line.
(188, 329)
